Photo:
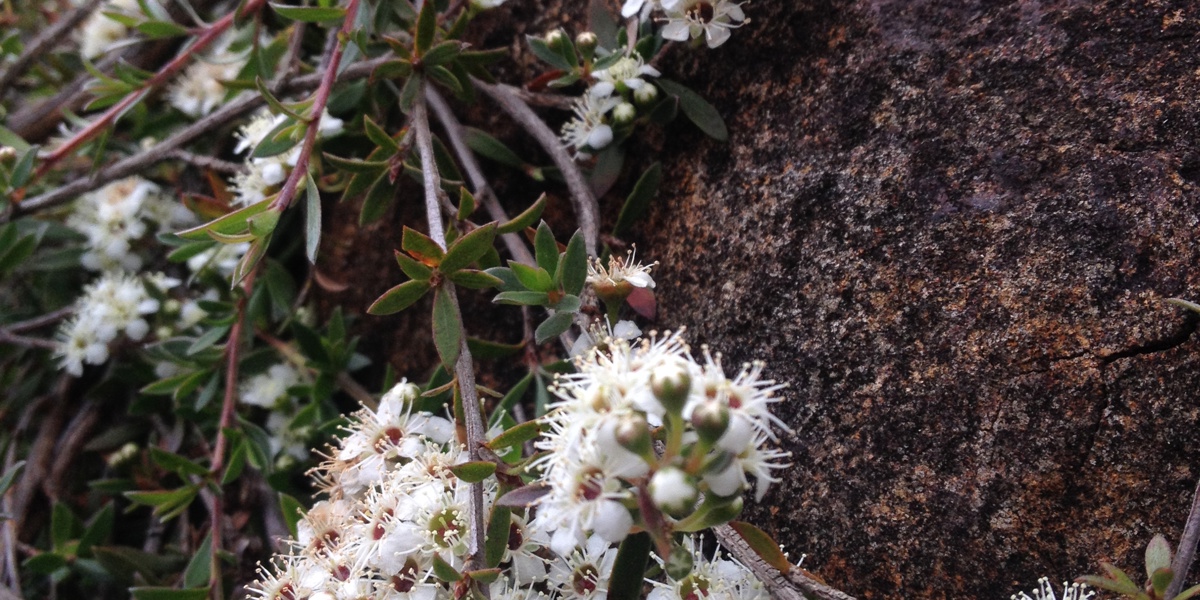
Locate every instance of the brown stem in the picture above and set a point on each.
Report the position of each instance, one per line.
(329, 64)
(228, 406)
(163, 75)
(464, 369)
(145, 159)
(42, 320)
(42, 44)
(208, 162)
(581, 193)
(13, 339)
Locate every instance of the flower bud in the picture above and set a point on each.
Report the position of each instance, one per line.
(679, 564)
(710, 420)
(586, 44)
(8, 154)
(645, 95)
(624, 113)
(633, 433)
(555, 39)
(673, 492)
(671, 384)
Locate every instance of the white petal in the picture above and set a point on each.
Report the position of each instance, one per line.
(612, 522)
(716, 35)
(600, 137)
(648, 70)
(602, 89)
(727, 482)
(676, 31)
(631, 7)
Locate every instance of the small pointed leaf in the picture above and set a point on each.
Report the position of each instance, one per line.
(468, 248)
(421, 247)
(523, 496)
(399, 297)
(447, 329)
(474, 472)
(763, 545)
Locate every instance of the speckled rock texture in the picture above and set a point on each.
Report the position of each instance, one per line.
(952, 226)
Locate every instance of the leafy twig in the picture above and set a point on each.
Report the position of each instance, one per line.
(793, 585)
(581, 194)
(159, 152)
(464, 369)
(165, 74)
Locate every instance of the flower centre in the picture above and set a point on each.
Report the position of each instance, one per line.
(583, 579)
(591, 484)
(404, 581)
(444, 526)
(702, 12)
(515, 538)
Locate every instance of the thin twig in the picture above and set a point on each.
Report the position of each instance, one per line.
(464, 369)
(454, 133)
(42, 320)
(794, 585)
(208, 162)
(232, 352)
(1186, 552)
(70, 443)
(12, 339)
(545, 100)
(586, 210)
(40, 45)
(159, 152)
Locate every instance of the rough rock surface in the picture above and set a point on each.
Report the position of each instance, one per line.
(952, 226)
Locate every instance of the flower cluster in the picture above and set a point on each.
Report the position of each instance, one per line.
(1045, 591)
(114, 217)
(395, 516)
(692, 19)
(599, 449)
(201, 88)
(113, 305)
(264, 175)
(101, 32)
(609, 101)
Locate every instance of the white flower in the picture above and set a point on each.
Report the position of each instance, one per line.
(587, 131)
(112, 305)
(1045, 591)
(672, 491)
(619, 271)
(114, 217)
(709, 18)
(267, 389)
(200, 89)
(583, 573)
(625, 74)
(101, 33)
(712, 578)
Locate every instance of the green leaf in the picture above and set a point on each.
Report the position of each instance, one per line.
(309, 14)
(447, 329)
(442, 569)
(62, 525)
(523, 496)
(426, 27)
(485, 145)
(763, 545)
(293, 512)
(312, 227)
(545, 249)
(200, 567)
(553, 326)
(525, 219)
(355, 165)
(535, 279)
(207, 339)
(466, 204)
(1188, 593)
(412, 268)
(24, 168)
(1160, 580)
(378, 199)
(10, 476)
(167, 504)
(513, 396)
(236, 464)
(175, 463)
(574, 266)
(379, 136)
(703, 114)
(1158, 555)
(489, 350)
(98, 530)
(1131, 589)
(516, 435)
(45, 563)
(279, 140)
(399, 297)
(629, 569)
(543, 51)
(522, 298)
(639, 199)
(475, 280)
(233, 223)
(166, 593)
(421, 247)
(468, 249)
(475, 471)
(446, 78)
(498, 531)
(161, 29)
(484, 576)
